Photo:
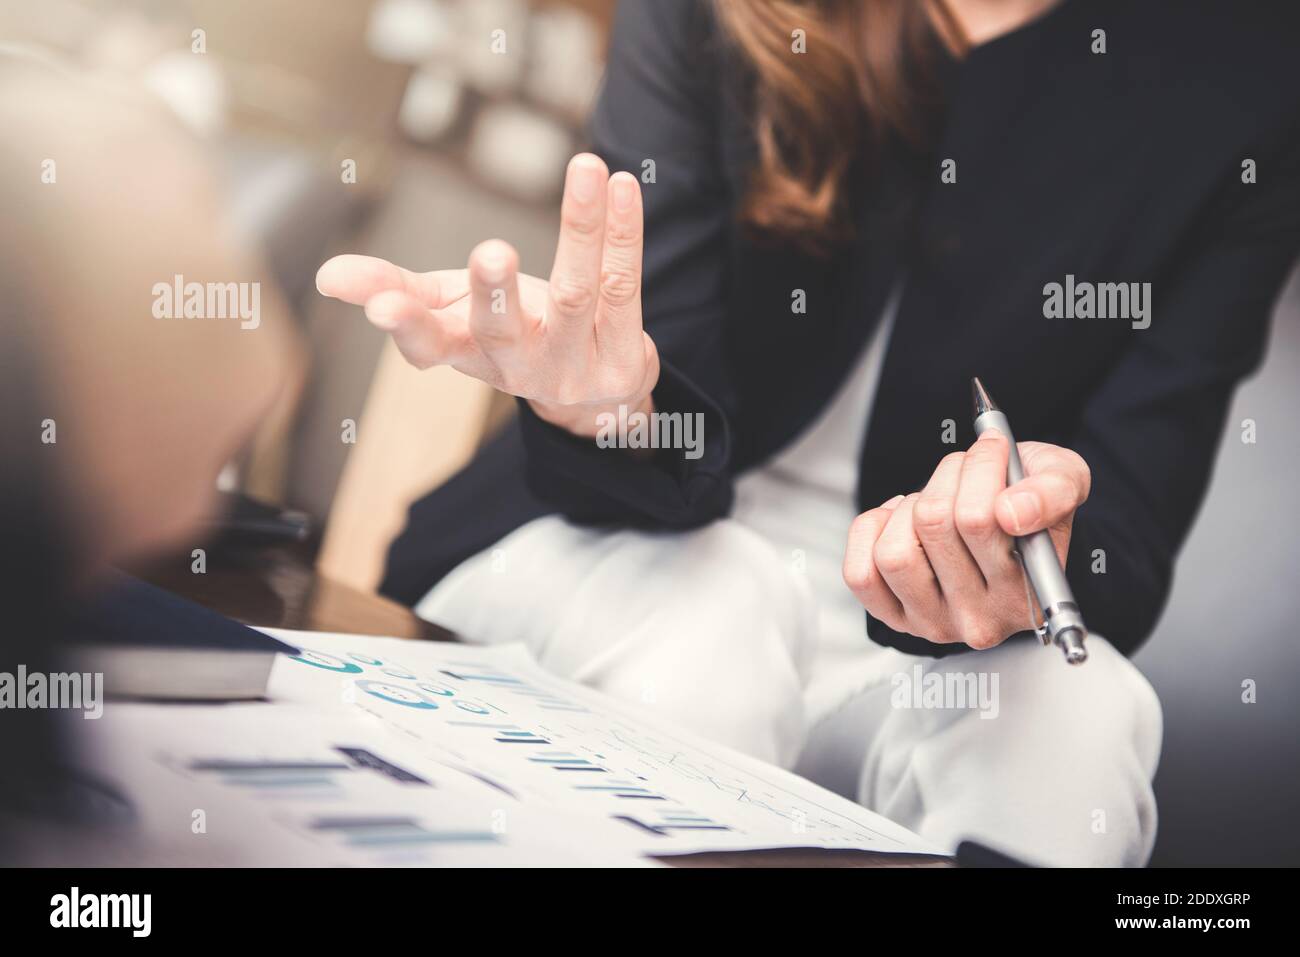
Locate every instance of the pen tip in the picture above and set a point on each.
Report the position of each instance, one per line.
(982, 401)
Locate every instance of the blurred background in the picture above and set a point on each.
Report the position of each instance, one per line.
(412, 130)
(367, 126)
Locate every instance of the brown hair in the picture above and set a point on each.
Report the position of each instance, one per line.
(864, 76)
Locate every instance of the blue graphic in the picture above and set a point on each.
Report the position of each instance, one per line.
(318, 660)
(397, 694)
(441, 690)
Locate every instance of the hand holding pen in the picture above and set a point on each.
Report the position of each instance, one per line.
(944, 564)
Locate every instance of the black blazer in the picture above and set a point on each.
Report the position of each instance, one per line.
(1125, 166)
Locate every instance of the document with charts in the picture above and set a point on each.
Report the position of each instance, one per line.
(494, 713)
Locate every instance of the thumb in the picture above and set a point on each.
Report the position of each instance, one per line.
(1057, 481)
(422, 339)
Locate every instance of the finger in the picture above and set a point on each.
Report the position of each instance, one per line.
(575, 277)
(983, 477)
(618, 311)
(423, 338)
(860, 572)
(933, 517)
(902, 563)
(495, 318)
(356, 279)
(1058, 481)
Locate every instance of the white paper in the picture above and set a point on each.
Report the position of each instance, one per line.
(277, 784)
(494, 713)
(390, 752)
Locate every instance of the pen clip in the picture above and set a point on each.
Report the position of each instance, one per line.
(1042, 632)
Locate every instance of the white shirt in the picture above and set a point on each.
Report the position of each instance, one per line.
(803, 501)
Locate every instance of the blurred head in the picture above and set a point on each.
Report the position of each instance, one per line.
(127, 416)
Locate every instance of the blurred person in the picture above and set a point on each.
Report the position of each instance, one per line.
(850, 207)
(114, 422)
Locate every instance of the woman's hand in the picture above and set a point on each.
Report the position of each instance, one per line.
(938, 564)
(573, 346)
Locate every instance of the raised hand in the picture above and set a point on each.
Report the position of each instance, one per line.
(572, 346)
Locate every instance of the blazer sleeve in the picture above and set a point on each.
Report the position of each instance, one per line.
(657, 117)
(1150, 433)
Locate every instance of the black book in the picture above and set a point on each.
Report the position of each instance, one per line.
(150, 643)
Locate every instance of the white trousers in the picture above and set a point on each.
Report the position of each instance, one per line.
(1009, 747)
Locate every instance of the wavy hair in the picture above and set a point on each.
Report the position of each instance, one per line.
(865, 74)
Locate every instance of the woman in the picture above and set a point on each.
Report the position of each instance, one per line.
(850, 208)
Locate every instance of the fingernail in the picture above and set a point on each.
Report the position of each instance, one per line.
(1024, 510)
(624, 193)
(492, 268)
(893, 502)
(990, 433)
(585, 180)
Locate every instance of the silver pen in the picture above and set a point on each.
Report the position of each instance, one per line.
(1062, 621)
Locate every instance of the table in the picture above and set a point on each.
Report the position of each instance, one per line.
(277, 587)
